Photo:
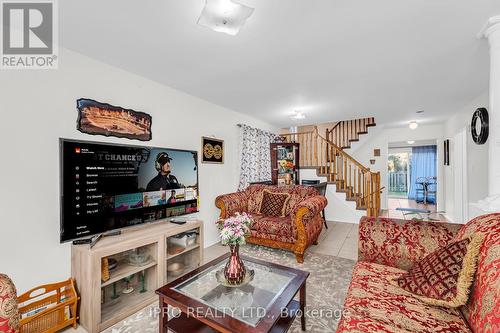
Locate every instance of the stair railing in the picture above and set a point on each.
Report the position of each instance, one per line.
(346, 131)
(350, 176)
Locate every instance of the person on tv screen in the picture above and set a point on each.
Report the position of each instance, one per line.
(164, 180)
(163, 199)
(172, 198)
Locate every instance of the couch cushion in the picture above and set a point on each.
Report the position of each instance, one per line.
(274, 225)
(373, 304)
(273, 203)
(444, 277)
(483, 309)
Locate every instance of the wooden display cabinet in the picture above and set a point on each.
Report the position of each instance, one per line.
(285, 163)
(130, 287)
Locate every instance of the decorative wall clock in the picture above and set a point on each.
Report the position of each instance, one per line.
(212, 150)
(480, 126)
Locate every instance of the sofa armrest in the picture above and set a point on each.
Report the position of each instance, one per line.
(401, 243)
(9, 313)
(231, 203)
(314, 206)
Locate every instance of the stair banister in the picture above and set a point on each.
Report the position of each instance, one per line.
(350, 176)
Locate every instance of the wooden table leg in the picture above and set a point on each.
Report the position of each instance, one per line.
(303, 305)
(163, 316)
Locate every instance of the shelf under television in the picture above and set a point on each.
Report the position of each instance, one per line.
(123, 304)
(124, 269)
(185, 270)
(96, 317)
(187, 249)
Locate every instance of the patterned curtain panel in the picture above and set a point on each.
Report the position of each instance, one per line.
(255, 155)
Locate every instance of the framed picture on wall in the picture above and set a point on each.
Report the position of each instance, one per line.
(212, 150)
(104, 119)
(446, 152)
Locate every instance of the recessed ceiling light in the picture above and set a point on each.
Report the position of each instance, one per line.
(410, 142)
(298, 115)
(413, 125)
(224, 16)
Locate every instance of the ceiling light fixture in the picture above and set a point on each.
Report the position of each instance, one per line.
(298, 115)
(410, 142)
(413, 125)
(224, 16)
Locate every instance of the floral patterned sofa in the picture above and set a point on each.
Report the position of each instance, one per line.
(388, 247)
(9, 313)
(295, 232)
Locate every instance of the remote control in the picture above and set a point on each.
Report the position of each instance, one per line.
(82, 241)
(178, 221)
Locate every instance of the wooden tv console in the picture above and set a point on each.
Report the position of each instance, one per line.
(104, 303)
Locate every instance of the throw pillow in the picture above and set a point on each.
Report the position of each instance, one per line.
(444, 277)
(273, 204)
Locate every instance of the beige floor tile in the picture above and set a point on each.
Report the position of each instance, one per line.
(214, 251)
(349, 248)
(331, 242)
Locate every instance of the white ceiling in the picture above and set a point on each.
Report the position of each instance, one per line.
(332, 59)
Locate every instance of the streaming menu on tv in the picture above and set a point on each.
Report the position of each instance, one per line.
(98, 175)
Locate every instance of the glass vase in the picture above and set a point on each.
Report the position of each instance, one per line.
(235, 271)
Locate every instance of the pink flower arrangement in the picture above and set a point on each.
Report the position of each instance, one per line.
(235, 229)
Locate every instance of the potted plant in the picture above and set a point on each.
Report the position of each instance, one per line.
(233, 232)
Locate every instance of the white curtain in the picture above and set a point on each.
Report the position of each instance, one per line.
(255, 152)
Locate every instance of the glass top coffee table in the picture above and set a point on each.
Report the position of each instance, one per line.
(265, 304)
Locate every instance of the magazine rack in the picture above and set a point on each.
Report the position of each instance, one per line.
(48, 308)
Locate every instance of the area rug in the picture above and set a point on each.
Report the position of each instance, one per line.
(326, 289)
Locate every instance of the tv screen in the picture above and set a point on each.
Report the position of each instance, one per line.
(109, 186)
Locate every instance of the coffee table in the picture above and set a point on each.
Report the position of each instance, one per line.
(266, 304)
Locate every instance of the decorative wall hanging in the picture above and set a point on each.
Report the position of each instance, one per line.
(480, 126)
(376, 152)
(447, 152)
(104, 119)
(213, 150)
(372, 162)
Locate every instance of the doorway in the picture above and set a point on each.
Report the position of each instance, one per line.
(412, 180)
(398, 167)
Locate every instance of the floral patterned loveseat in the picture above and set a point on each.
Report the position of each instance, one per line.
(295, 232)
(388, 247)
(9, 313)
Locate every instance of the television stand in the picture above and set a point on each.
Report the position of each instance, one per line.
(92, 241)
(114, 282)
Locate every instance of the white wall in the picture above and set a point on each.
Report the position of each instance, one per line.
(477, 157)
(381, 138)
(338, 208)
(38, 107)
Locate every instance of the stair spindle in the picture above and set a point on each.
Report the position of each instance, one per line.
(351, 182)
(316, 146)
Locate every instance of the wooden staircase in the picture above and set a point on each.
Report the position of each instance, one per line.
(346, 131)
(330, 160)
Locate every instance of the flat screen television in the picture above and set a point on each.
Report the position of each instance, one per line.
(109, 186)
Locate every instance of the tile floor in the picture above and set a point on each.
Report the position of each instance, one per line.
(394, 203)
(340, 239)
